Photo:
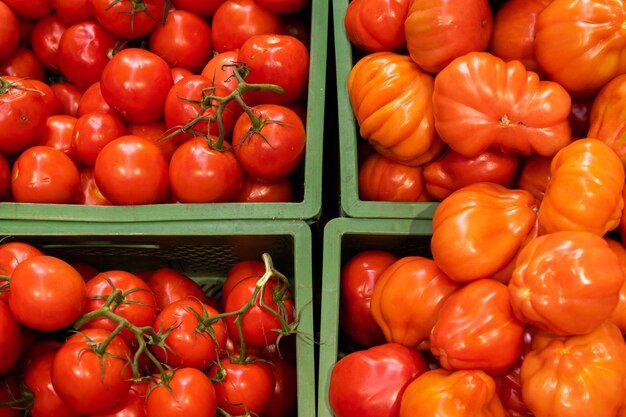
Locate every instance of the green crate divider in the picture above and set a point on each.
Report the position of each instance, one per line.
(351, 204)
(202, 250)
(343, 239)
(310, 172)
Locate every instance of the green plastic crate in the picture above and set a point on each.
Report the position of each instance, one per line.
(205, 251)
(309, 194)
(351, 204)
(343, 239)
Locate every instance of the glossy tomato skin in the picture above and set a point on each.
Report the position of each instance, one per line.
(190, 394)
(58, 134)
(219, 69)
(127, 20)
(459, 393)
(9, 32)
(183, 41)
(278, 153)
(69, 96)
(42, 174)
(73, 11)
(23, 63)
(618, 316)
(285, 395)
(135, 82)
(38, 284)
(31, 10)
(132, 405)
(10, 338)
(566, 282)
(89, 383)
(189, 345)
(235, 21)
(92, 132)
(22, 116)
(276, 59)
(204, 8)
(240, 271)
(509, 388)
(88, 193)
(155, 132)
(45, 39)
(200, 174)
(605, 120)
(535, 175)
(451, 171)
(132, 170)
(377, 25)
(257, 191)
(382, 179)
(92, 101)
(11, 254)
(358, 278)
(84, 50)
(371, 383)
(169, 285)
(52, 104)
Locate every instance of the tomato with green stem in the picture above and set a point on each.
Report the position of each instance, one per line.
(11, 255)
(129, 19)
(187, 392)
(10, 396)
(240, 271)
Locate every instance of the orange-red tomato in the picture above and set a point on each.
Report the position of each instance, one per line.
(467, 393)
(585, 189)
(391, 99)
(479, 229)
(580, 376)
(377, 25)
(618, 317)
(535, 175)
(566, 282)
(482, 102)
(607, 116)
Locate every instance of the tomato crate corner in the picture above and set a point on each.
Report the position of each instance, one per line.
(343, 239)
(307, 178)
(203, 251)
(351, 203)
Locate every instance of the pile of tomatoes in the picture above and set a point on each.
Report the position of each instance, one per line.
(76, 341)
(511, 118)
(138, 102)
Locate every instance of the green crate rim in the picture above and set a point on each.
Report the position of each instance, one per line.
(299, 231)
(331, 269)
(351, 204)
(307, 209)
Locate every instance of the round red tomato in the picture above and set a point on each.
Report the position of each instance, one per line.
(200, 174)
(58, 135)
(132, 405)
(178, 73)
(285, 389)
(84, 51)
(377, 25)
(183, 41)
(240, 271)
(11, 254)
(277, 145)
(44, 175)
(155, 132)
(92, 101)
(220, 69)
(88, 193)
(45, 38)
(35, 9)
(92, 132)
(132, 170)
(190, 342)
(73, 11)
(87, 381)
(22, 116)
(69, 97)
(137, 303)
(383, 179)
(260, 326)
(189, 393)
(10, 338)
(128, 19)
(276, 59)
(242, 388)
(204, 8)
(257, 191)
(52, 105)
(169, 285)
(235, 21)
(9, 31)
(47, 293)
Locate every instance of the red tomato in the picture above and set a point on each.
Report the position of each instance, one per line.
(200, 174)
(69, 97)
(274, 150)
(87, 271)
(58, 135)
(219, 70)
(89, 382)
(132, 170)
(38, 378)
(276, 59)
(26, 28)
(136, 82)
(84, 50)
(204, 8)
(370, 383)
(11, 254)
(509, 390)
(45, 38)
(235, 21)
(285, 395)
(257, 191)
(92, 132)
(44, 175)
(383, 179)
(88, 193)
(169, 285)
(183, 41)
(189, 343)
(9, 393)
(9, 31)
(535, 175)
(22, 119)
(5, 181)
(46, 293)
(178, 73)
(132, 405)
(128, 19)
(92, 101)
(35, 9)
(10, 338)
(242, 388)
(189, 393)
(240, 271)
(52, 105)
(260, 326)
(155, 132)
(377, 25)
(73, 11)
(358, 277)
(137, 303)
